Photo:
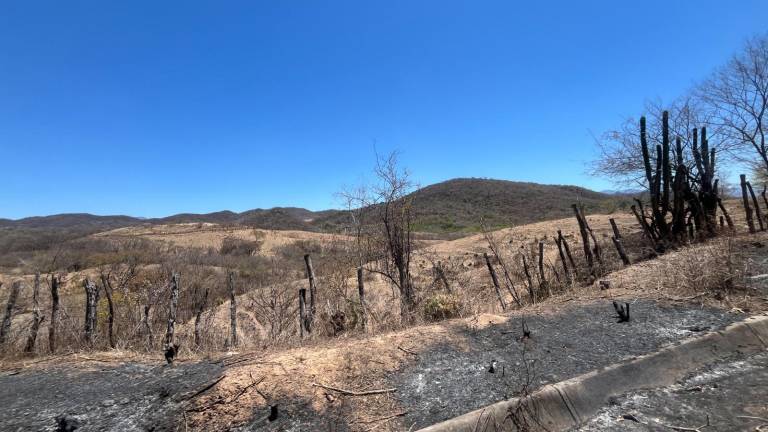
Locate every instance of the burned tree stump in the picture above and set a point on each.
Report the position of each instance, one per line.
(622, 311)
(37, 317)
(747, 207)
(495, 281)
(54, 314)
(5, 328)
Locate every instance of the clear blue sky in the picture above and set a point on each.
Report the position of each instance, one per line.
(154, 108)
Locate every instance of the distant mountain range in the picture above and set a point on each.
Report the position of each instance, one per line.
(450, 206)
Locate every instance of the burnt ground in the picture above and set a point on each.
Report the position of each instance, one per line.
(124, 397)
(446, 382)
(732, 394)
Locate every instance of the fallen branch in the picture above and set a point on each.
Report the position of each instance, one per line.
(407, 351)
(203, 390)
(355, 393)
(389, 417)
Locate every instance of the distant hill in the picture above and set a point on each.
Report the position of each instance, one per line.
(458, 205)
(452, 206)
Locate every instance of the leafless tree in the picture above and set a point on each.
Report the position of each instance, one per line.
(621, 157)
(736, 95)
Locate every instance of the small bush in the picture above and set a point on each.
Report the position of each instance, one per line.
(442, 306)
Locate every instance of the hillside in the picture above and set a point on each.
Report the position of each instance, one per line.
(458, 205)
(453, 206)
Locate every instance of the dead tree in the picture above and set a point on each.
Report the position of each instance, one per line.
(170, 332)
(312, 291)
(758, 212)
(91, 302)
(201, 301)
(54, 314)
(5, 328)
(233, 310)
(361, 293)
(105, 282)
(37, 317)
(747, 207)
(495, 281)
(584, 239)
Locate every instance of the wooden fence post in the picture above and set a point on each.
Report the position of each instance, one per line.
(758, 212)
(170, 332)
(618, 243)
(584, 239)
(495, 281)
(54, 314)
(232, 309)
(310, 317)
(91, 301)
(361, 293)
(13, 296)
(747, 207)
(37, 317)
(303, 312)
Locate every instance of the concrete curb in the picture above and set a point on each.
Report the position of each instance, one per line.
(570, 403)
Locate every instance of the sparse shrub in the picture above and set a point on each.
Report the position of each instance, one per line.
(442, 306)
(239, 247)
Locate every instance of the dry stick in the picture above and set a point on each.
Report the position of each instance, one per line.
(495, 281)
(648, 234)
(12, 298)
(758, 212)
(54, 314)
(232, 310)
(389, 417)
(361, 293)
(37, 318)
(355, 393)
(747, 207)
(725, 213)
(596, 249)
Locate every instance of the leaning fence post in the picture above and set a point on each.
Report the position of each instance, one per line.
(747, 207)
(495, 281)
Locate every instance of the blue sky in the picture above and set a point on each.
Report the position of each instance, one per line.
(155, 108)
